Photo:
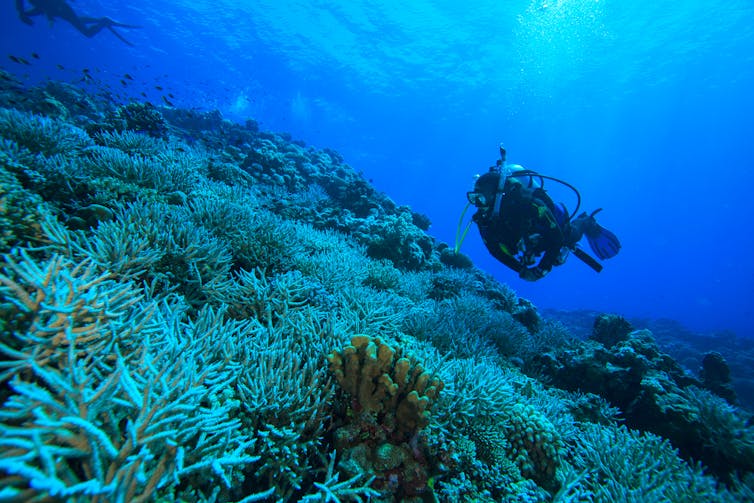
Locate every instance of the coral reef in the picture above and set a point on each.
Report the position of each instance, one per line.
(173, 286)
(715, 376)
(140, 118)
(655, 394)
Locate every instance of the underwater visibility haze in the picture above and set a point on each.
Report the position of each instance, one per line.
(228, 273)
(646, 107)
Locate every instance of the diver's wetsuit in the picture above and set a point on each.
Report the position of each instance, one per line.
(523, 229)
(52, 9)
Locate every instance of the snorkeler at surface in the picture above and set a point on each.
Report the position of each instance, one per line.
(88, 26)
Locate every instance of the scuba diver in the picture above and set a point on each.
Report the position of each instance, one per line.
(88, 26)
(524, 229)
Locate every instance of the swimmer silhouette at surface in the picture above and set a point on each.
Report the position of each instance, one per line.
(52, 9)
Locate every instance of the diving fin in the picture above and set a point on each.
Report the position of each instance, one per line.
(111, 25)
(603, 243)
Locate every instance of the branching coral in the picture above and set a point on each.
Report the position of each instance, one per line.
(466, 324)
(159, 244)
(285, 396)
(331, 489)
(165, 172)
(619, 464)
(259, 239)
(42, 135)
(104, 400)
(130, 142)
(54, 303)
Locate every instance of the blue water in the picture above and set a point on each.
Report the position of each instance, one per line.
(646, 106)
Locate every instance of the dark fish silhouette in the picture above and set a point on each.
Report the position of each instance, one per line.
(18, 59)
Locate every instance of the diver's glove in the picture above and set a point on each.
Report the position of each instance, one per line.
(603, 243)
(531, 274)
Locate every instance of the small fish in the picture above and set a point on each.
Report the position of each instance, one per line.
(167, 101)
(85, 70)
(128, 76)
(60, 67)
(144, 94)
(159, 88)
(171, 95)
(35, 55)
(123, 82)
(14, 59)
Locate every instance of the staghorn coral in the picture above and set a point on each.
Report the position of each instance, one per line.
(331, 257)
(467, 322)
(258, 238)
(159, 244)
(130, 142)
(475, 388)
(368, 312)
(617, 464)
(165, 172)
(103, 401)
(40, 165)
(381, 275)
(55, 302)
(334, 490)
(42, 135)
(517, 428)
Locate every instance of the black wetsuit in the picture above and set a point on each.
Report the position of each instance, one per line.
(59, 9)
(524, 227)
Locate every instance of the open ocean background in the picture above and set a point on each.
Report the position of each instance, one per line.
(646, 107)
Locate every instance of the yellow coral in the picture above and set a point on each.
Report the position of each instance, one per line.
(380, 383)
